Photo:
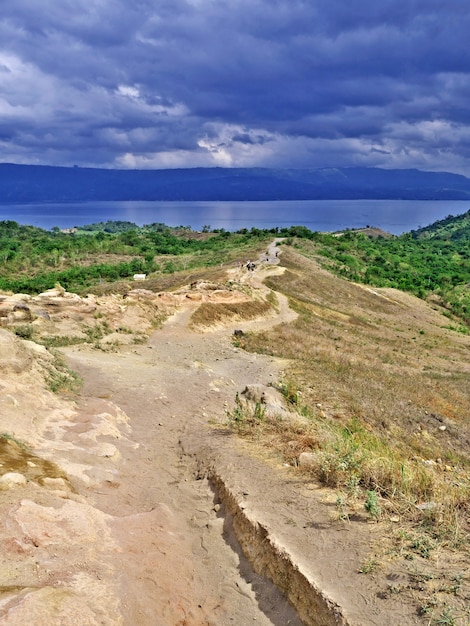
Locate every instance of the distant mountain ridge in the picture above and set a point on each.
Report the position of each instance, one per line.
(41, 183)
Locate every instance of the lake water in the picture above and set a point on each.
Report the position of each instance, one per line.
(394, 216)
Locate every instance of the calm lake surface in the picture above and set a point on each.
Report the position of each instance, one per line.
(394, 216)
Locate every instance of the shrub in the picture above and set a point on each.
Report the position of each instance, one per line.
(25, 331)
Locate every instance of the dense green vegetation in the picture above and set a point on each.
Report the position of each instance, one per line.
(33, 259)
(454, 228)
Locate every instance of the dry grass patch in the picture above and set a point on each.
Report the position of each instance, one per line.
(384, 391)
(212, 313)
(374, 480)
(373, 364)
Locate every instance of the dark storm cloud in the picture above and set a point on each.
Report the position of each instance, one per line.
(289, 83)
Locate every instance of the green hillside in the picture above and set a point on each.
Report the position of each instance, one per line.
(453, 228)
(432, 263)
(33, 259)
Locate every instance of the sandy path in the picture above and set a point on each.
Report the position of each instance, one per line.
(175, 558)
(177, 565)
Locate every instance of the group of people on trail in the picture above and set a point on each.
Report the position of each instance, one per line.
(250, 266)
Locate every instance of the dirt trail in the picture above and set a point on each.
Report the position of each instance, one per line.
(176, 566)
(176, 487)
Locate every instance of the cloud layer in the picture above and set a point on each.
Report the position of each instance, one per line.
(240, 83)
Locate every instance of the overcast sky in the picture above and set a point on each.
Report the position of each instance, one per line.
(236, 83)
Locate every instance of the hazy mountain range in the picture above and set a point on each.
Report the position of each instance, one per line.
(36, 183)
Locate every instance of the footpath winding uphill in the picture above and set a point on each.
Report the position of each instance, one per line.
(177, 561)
(163, 517)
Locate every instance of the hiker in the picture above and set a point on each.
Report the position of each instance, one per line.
(248, 265)
(252, 267)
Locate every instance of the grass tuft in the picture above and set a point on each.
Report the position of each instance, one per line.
(60, 378)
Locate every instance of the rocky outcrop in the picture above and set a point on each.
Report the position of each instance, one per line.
(55, 565)
(268, 397)
(60, 317)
